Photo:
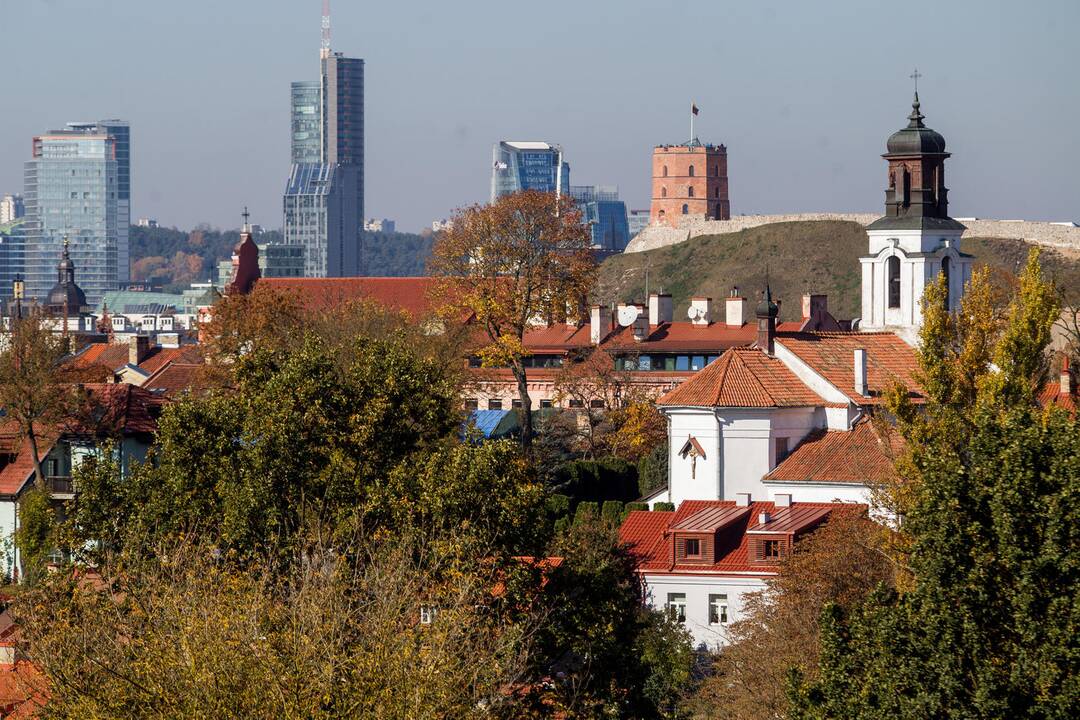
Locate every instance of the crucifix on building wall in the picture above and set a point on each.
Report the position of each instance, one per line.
(692, 449)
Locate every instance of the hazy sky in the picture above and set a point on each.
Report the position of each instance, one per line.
(803, 93)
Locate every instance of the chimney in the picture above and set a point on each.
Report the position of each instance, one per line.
(1068, 379)
(735, 307)
(764, 518)
(742, 499)
(138, 349)
(661, 308)
(860, 372)
(700, 311)
(599, 323)
(782, 500)
(641, 325)
(767, 311)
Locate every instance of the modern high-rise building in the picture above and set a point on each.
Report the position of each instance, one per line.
(11, 208)
(78, 187)
(323, 205)
(12, 244)
(527, 165)
(605, 214)
(306, 119)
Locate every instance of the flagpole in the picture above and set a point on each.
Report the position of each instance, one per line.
(691, 121)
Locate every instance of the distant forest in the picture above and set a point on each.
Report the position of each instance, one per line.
(172, 259)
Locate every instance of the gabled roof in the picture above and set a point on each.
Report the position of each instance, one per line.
(17, 473)
(857, 456)
(115, 356)
(649, 535)
(831, 354)
(116, 409)
(711, 519)
(743, 377)
(174, 378)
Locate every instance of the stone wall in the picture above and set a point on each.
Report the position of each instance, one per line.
(1042, 233)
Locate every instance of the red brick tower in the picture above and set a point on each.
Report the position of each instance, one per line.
(691, 180)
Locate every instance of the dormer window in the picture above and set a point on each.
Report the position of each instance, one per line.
(772, 549)
(693, 547)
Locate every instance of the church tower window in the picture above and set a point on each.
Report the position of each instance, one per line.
(892, 270)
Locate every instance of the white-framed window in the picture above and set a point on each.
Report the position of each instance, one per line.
(676, 606)
(718, 609)
(427, 614)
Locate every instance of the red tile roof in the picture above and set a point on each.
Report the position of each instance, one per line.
(412, 295)
(857, 456)
(17, 473)
(558, 337)
(116, 409)
(789, 520)
(832, 355)
(174, 378)
(683, 337)
(743, 377)
(647, 535)
(23, 689)
(114, 356)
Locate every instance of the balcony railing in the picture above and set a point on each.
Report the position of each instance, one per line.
(60, 485)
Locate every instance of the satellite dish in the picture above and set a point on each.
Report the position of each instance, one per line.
(694, 313)
(628, 314)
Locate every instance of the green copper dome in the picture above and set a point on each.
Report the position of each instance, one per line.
(916, 138)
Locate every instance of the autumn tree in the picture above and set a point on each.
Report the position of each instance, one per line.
(988, 624)
(592, 387)
(510, 266)
(842, 562)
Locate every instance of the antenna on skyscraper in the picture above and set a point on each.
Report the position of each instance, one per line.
(325, 51)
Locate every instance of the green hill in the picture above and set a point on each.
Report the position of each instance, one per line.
(815, 256)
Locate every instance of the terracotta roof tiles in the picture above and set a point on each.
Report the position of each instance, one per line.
(743, 377)
(412, 295)
(831, 354)
(854, 456)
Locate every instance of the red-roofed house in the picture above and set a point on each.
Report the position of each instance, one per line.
(700, 561)
(122, 413)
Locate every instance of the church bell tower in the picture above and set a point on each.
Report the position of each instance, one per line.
(916, 239)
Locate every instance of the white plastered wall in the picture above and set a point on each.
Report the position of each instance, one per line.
(697, 589)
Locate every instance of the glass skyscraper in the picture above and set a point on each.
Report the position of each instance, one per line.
(306, 117)
(78, 186)
(324, 198)
(605, 215)
(526, 165)
(12, 248)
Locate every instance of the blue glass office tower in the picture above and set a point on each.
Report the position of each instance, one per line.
(78, 186)
(12, 248)
(526, 165)
(324, 198)
(605, 214)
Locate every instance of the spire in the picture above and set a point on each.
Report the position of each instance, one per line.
(246, 227)
(916, 117)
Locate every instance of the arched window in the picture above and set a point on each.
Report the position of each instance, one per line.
(663, 192)
(690, 191)
(946, 268)
(665, 171)
(685, 209)
(715, 170)
(892, 270)
(691, 171)
(716, 193)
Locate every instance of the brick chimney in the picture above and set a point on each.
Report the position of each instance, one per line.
(735, 309)
(138, 349)
(599, 323)
(814, 306)
(661, 308)
(1068, 379)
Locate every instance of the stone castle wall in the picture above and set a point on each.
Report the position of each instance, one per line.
(1041, 233)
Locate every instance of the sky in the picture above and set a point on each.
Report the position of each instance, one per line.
(803, 94)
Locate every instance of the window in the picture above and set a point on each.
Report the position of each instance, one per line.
(545, 403)
(690, 191)
(697, 362)
(892, 270)
(515, 403)
(771, 549)
(596, 404)
(691, 171)
(427, 614)
(715, 170)
(685, 209)
(575, 403)
(682, 362)
(665, 171)
(693, 547)
(663, 193)
(716, 192)
(52, 467)
(676, 606)
(494, 404)
(946, 270)
(718, 610)
(781, 449)
(475, 362)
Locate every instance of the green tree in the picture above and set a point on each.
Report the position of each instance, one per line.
(988, 627)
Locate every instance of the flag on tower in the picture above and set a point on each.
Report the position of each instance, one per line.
(693, 108)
